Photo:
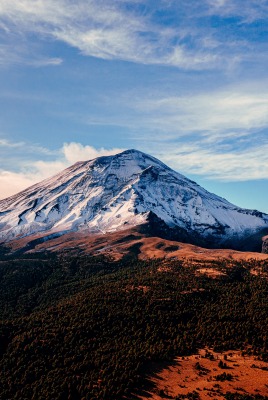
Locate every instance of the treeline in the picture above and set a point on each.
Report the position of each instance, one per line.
(86, 327)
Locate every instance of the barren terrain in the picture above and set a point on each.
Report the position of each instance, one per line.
(202, 373)
(129, 242)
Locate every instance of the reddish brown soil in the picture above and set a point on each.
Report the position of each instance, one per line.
(119, 244)
(198, 373)
(150, 249)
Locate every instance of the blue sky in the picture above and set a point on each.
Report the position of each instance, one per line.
(186, 81)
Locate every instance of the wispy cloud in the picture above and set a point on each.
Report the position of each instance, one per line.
(248, 10)
(196, 158)
(14, 53)
(6, 143)
(26, 148)
(44, 62)
(218, 134)
(233, 109)
(233, 165)
(130, 30)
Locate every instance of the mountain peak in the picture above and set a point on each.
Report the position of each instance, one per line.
(119, 191)
(133, 154)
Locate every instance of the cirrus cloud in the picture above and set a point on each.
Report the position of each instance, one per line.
(228, 166)
(235, 109)
(132, 31)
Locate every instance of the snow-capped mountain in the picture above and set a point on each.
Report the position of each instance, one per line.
(116, 192)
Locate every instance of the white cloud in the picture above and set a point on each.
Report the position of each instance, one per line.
(24, 147)
(129, 30)
(248, 10)
(220, 135)
(210, 113)
(42, 62)
(110, 30)
(7, 143)
(77, 152)
(249, 164)
(14, 53)
(197, 158)
(31, 172)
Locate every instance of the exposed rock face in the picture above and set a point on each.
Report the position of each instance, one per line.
(129, 189)
(265, 245)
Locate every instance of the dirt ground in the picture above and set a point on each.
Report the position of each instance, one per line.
(159, 248)
(203, 374)
(119, 244)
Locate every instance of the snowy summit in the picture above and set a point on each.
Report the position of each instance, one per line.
(115, 192)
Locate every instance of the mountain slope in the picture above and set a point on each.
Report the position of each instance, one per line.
(116, 192)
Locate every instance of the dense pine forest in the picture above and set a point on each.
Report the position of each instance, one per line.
(87, 327)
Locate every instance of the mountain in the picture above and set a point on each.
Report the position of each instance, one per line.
(130, 189)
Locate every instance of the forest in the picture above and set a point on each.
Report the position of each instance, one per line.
(84, 327)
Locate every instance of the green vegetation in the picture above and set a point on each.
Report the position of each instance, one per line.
(87, 327)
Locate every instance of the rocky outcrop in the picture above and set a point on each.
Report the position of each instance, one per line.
(265, 245)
